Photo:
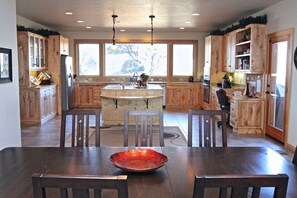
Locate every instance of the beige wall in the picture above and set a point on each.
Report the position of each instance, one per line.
(10, 133)
(282, 16)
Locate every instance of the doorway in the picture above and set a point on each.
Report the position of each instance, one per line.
(278, 83)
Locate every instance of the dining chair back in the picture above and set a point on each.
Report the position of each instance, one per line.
(80, 127)
(295, 157)
(241, 185)
(81, 185)
(144, 126)
(204, 121)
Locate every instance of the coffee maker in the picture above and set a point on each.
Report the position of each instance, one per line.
(226, 82)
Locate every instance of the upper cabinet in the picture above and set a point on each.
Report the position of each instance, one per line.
(250, 49)
(229, 41)
(32, 55)
(213, 54)
(64, 45)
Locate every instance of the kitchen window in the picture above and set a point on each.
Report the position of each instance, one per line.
(136, 58)
(88, 59)
(183, 59)
(168, 58)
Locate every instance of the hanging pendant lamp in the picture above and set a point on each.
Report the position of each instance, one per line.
(113, 47)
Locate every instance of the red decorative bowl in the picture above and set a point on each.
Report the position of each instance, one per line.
(138, 160)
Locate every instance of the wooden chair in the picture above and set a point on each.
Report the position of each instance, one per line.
(206, 126)
(144, 127)
(80, 185)
(80, 127)
(295, 157)
(240, 185)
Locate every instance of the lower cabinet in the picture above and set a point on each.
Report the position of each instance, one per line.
(87, 95)
(246, 115)
(38, 104)
(183, 95)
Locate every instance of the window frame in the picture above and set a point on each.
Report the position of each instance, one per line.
(169, 43)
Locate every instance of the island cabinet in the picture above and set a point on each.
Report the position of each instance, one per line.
(38, 104)
(247, 114)
(183, 95)
(87, 95)
(57, 46)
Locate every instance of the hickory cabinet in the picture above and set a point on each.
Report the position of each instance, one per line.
(229, 41)
(32, 55)
(87, 95)
(250, 49)
(213, 55)
(247, 115)
(38, 105)
(57, 45)
(183, 95)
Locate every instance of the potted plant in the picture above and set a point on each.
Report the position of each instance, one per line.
(144, 79)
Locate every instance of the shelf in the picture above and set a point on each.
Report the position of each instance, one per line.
(243, 43)
(242, 55)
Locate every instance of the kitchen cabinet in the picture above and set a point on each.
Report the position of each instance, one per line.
(32, 55)
(183, 95)
(250, 49)
(247, 114)
(57, 45)
(213, 55)
(38, 104)
(229, 42)
(87, 95)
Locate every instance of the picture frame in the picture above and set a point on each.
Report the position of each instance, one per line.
(5, 65)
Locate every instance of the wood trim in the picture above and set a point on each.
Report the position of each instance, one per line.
(289, 33)
(169, 60)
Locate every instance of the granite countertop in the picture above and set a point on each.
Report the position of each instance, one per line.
(131, 87)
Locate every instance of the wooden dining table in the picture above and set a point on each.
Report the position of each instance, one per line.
(174, 179)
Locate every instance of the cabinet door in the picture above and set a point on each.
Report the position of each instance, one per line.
(229, 48)
(86, 95)
(249, 113)
(53, 101)
(207, 52)
(174, 97)
(64, 45)
(45, 103)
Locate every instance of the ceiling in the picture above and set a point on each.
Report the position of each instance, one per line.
(133, 15)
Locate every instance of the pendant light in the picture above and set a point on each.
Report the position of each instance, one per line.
(152, 33)
(113, 47)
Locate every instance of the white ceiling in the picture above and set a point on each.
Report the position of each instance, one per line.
(133, 15)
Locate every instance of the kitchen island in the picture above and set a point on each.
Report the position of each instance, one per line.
(116, 99)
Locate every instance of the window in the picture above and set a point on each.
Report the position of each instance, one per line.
(130, 58)
(88, 59)
(183, 59)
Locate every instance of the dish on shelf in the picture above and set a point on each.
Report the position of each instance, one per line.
(138, 160)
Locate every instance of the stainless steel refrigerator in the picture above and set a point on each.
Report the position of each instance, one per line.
(66, 82)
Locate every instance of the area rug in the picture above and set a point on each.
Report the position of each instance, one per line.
(113, 136)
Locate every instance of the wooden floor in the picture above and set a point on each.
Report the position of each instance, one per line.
(50, 131)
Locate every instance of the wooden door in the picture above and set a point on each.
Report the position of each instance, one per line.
(278, 83)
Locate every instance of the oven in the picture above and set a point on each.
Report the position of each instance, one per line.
(206, 91)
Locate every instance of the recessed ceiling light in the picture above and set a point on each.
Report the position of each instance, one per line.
(122, 30)
(80, 21)
(182, 28)
(88, 27)
(188, 22)
(68, 13)
(195, 14)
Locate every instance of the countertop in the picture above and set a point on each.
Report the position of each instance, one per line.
(131, 87)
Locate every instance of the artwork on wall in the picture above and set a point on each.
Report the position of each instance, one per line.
(5, 65)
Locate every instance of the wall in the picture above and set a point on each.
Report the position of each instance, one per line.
(10, 132)
(282, 16)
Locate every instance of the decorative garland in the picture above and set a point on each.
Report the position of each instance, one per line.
(241, 24)
(42, 32)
